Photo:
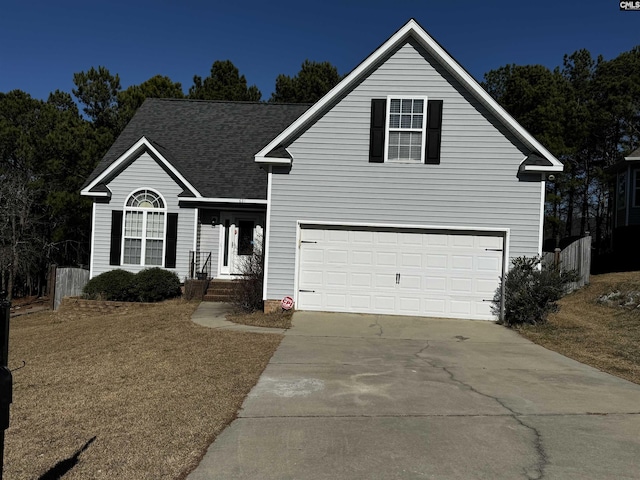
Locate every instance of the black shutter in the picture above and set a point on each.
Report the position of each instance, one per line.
(376, 135)
(172, 240)
(434, 132)
(116, 237)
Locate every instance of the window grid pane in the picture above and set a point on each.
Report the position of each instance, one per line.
(405, 146)
(132, 251)
(133, 224)
(145, 199)
(153, 252)
(155, 225)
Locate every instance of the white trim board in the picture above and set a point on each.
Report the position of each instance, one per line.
(140, 145)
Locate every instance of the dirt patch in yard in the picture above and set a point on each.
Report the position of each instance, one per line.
(152, 388)
(261, 319)
(598, 325)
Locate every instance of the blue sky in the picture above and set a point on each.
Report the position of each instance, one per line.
(42, 43)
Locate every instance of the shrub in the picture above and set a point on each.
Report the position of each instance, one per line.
(247, 294)
(112, 285)
(155, 284)
(531, 294)
(149, 285)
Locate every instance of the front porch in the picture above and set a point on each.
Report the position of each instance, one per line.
(225, 240)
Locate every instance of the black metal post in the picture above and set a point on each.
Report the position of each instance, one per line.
(5, 309)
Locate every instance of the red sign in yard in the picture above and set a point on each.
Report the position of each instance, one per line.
(287, 303)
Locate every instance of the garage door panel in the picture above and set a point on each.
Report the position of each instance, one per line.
(486, 241)
(314, 256)
(434, 307)
(486, 287)
(338, 236)
(386, 259)
(489, 264)
(311, 300)
(461, 285)
(359, 257)
(461, 241)
(361, 302)
(460, 262)
(362, 280)
(411, 260)
(409, 306)
(437, 261)
(436, 240)
(384, 281)
(336, 301)
(411, 282)
(336, 280)
(387, 238)
(311, 278)
(362, 237)
(435, 284)
(385, 303)
(460, 307)
(337, 257)
(444, 274)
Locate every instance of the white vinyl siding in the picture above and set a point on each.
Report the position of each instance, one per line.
(331, 179)
(141, 173)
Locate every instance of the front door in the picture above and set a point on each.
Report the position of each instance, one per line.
(240, 236)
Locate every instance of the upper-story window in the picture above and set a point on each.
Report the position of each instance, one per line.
(144, 229)
(405, 130)
(406, 121)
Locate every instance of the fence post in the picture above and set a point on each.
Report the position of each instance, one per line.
(51, 286)
(556, 258)
(5, 373)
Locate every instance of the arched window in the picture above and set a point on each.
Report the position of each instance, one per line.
(144, 229)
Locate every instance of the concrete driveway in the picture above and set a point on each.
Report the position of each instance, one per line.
(381, 397)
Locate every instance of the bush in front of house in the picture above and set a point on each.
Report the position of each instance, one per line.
(155, 284)
(113, 285)
(247, 293)
(531, 293)
(149, 285)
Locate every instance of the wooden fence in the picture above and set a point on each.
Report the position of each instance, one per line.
(66, 282)
(576, 256)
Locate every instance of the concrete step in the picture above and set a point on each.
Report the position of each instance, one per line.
(220, 291)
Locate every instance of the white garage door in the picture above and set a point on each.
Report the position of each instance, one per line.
(404, 272)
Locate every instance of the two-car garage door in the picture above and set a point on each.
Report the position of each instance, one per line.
(442, 273)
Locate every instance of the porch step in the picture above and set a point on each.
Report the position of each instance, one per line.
(220, 291)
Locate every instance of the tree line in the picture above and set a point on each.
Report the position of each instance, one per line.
(49, 147)
(586, 112)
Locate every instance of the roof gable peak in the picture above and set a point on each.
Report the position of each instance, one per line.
(411, 29)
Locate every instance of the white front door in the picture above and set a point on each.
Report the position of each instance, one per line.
(240, 236)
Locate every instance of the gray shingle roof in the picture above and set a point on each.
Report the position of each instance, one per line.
(634, 154)
(212, 144)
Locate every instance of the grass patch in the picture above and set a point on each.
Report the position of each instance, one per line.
(598, 325)
(152, 387)
(261, 319)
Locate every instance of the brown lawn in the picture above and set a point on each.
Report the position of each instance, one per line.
(151, 387)
(260, 319)
(598, 325)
